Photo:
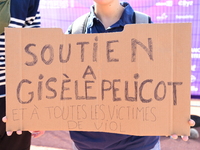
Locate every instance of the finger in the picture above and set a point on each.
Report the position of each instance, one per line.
(174, 136)
(4, 119)
(184, 138)
(37, 134)
(9, 133)
(19, 132)
(191, 122)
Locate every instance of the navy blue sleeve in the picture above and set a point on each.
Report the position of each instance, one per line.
(24, 13)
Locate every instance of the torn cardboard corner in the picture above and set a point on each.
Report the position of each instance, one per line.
(133, 82)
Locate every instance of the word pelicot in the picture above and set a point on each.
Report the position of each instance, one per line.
(107, 86)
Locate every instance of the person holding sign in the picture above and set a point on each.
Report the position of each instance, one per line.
(14, 14)
(111, 16)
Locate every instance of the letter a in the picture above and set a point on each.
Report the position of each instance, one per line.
(89, 71)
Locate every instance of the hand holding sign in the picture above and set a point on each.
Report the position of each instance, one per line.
(184, 138)
(35, 134)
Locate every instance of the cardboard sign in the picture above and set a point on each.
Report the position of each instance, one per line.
(132, 82)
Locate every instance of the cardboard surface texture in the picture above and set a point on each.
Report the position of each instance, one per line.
(133, 82)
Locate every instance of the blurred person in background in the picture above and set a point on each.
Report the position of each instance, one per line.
(14, 14)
